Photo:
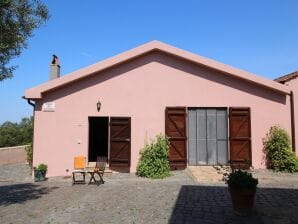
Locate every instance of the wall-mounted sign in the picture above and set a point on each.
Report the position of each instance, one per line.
(48, 107)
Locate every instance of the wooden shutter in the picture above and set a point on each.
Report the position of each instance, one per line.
(120, 141)
(240, 137)
(175, 129)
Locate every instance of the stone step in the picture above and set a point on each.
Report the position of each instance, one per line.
(208, 173)
(108, 171)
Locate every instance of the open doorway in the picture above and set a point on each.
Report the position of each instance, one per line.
(98, 137)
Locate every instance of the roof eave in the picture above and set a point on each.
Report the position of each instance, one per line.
(36, 92)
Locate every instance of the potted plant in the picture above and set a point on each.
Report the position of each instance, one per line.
(40, 172)
(242, 186)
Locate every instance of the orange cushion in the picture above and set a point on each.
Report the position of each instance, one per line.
(79, 162)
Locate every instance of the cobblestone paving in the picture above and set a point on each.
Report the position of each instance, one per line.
(125, 198)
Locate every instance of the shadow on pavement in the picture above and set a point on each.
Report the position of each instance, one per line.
(212, 204)
(19, 193)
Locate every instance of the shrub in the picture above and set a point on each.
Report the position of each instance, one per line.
(241, 179)
(29, 152)
(277, 146)
(42, 168)
(154, 161)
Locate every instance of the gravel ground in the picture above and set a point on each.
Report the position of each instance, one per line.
(125, 198)
(15, 173)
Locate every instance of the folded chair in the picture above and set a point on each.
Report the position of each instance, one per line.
(99, 169)
(79, 168)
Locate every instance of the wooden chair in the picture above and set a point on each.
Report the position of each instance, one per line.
(79, 167)
(99, 169)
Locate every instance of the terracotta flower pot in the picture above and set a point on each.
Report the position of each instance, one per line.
(243, 200)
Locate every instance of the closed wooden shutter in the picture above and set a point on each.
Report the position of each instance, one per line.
(175, 128)
(240, 137)
(120, 141)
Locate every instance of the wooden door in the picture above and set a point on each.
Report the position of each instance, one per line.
(175, 129)
(240, 137)
(120, 141)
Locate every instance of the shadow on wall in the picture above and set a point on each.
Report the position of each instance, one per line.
(212, 204)
(167, 60)
(220, 77)
(19, 193)
(120, 169)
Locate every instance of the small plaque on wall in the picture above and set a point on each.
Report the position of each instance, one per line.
(48, 107)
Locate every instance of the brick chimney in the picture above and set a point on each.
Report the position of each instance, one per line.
(54, 68)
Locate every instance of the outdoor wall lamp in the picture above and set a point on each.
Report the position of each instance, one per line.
(98, 105)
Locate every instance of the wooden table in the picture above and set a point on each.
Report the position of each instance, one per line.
(92, 178)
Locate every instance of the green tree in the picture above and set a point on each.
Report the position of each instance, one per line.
(13, 134)
(8, 134)
(26, 130)
(18, 19)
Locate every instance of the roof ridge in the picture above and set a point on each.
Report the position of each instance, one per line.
(36, 92)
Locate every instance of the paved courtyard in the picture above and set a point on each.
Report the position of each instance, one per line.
(125, 198)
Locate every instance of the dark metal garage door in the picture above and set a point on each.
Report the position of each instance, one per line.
(207, 136)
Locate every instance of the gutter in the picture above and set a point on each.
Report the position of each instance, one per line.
(29, 101)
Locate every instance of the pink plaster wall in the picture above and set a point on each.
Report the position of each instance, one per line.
(141, 89)
(293, 84)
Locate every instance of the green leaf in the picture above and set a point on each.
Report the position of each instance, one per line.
(154, 161)
(18, 20)
(277, 146)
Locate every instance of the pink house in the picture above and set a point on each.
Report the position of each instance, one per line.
(213, 113)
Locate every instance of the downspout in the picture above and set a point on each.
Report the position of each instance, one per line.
(292, 120)
(29, 101)
(32, 104)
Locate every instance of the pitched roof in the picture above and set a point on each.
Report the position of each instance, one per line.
(36, 92)
(287, 77)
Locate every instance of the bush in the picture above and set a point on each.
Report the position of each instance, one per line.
(42, 168)
(29, 152)
(154, 161)
(277, 146)
(241, 179)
